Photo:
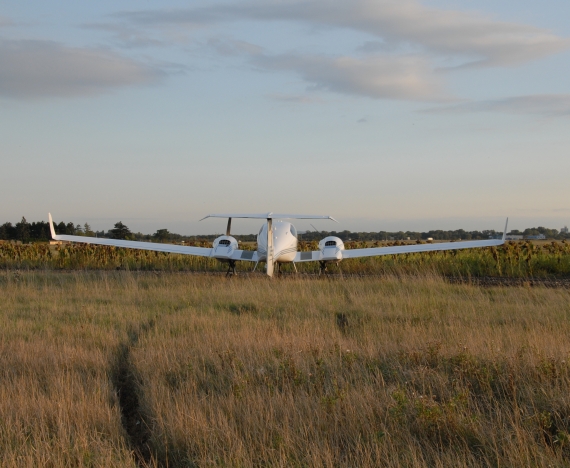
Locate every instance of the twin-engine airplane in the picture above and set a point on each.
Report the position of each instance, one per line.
(277, 244)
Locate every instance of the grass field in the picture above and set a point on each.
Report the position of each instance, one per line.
(160, 369)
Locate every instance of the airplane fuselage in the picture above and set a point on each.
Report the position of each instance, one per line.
(284, 242)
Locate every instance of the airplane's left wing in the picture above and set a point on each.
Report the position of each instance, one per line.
(170, 248)
(400, 249)
(334, 254)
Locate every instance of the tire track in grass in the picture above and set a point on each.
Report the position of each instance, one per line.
(136, 422)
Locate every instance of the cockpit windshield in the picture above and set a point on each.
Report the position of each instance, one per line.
(293, 231)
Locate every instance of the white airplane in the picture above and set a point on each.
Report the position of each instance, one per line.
(277, 244)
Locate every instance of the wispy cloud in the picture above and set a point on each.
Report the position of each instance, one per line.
(127, 36)
(377, 77)
(547, 105)
(193, 18)
(294, 98)
(477, 38)
(36, 69)
(231, 47)
(407, 42)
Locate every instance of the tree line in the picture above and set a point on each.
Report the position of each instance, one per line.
(458, 234)
(39, 231)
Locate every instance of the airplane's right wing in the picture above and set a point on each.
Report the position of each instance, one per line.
(170, 248)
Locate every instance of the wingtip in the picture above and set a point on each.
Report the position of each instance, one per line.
(505, 231)
(51, 228)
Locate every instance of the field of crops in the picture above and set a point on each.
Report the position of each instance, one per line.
(515, 259)
(126, 368)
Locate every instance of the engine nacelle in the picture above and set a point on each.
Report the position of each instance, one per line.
(331, 248)
(224, 247)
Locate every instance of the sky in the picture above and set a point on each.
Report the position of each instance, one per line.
(386, 114)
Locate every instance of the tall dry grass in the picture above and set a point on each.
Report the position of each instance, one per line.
(57, 342)
(252, 372)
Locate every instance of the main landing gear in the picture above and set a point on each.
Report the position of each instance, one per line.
(231, 268)
(324, 268)
(280, 273)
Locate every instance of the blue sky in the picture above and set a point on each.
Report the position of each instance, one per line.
(388, 115)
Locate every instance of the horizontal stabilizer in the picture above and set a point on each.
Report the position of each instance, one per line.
(269, 215)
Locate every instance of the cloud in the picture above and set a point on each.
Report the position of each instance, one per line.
(478, 39)
(399, 59)
(468, 34)
(36, 69)
(189, 18)
(547, 105)
(295, 98)
(127, 36)
(232, 47)
(378, 77)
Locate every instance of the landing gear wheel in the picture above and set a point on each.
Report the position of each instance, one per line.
(231, 269)
(323, 268)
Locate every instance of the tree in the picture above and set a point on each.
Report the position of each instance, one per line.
(23, 230)
(120, 231)
(87, 230)
(60, 228)
(161, 235)
(7, 231)
(39, 230)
